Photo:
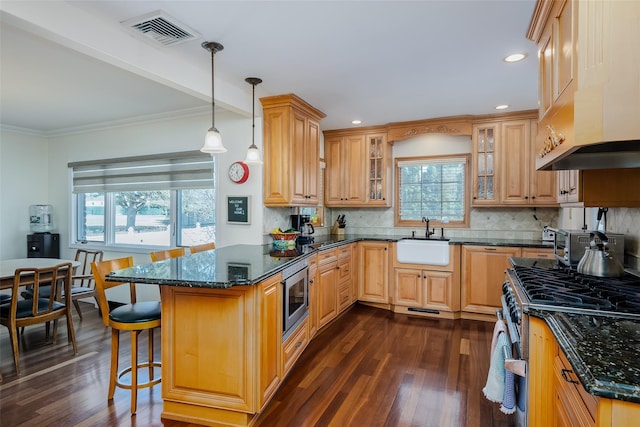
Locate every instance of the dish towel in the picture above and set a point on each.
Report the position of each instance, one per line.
(500, 326)
(500, 387)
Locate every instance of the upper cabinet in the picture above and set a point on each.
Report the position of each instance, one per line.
(358, 170)
(504, 171)
(588, 80)
(291, 151)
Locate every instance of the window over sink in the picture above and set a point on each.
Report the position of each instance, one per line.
(433, 187)
(144, 202)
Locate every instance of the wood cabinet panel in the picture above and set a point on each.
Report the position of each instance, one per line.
(270, 336)
(313, 296)
(191, 377)
(483, 269)
(374, 270)
(408, 287)
(327, 293)
(542, 350)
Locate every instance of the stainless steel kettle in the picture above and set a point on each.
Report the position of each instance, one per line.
(598, 261)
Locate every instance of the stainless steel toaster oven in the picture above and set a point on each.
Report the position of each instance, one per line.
(569, 245)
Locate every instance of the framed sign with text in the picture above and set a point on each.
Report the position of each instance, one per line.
(238, 209)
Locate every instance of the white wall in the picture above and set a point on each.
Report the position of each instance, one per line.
(24, 177)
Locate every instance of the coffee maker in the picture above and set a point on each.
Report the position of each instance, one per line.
(302, 223)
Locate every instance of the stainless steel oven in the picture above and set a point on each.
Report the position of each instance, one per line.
(517, 322)
(296, 296)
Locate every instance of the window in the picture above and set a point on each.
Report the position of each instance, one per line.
(432, 187)
(164, 200)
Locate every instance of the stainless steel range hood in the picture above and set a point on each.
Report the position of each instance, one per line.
(606, 155)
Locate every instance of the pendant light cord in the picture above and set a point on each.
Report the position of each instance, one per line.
(213, 102)
(253, 116)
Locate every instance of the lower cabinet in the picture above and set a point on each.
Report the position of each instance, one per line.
(545, 253)
(483, 269)
(373, 268)
(426, 289)
(326, 289)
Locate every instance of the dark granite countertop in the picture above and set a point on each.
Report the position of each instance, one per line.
(250, 264)
(603, 351)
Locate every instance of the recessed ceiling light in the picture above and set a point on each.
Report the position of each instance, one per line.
(356, 122)
(502, 107)
(515, 57)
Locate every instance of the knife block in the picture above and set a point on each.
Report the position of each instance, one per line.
(337, 230)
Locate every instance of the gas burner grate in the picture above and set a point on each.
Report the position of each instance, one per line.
(564, 287)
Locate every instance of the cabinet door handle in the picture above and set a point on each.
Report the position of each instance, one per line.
(490, 249)
(565, 374)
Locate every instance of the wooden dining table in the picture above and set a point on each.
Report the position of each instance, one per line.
(8, 267)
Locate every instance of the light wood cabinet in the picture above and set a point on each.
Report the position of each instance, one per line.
(542, 349)
(483, 269)
(373, 262)
(568, 188)
(313, 296)
(485, 139)
(345, 170)
(345, 278)
(520, 183)
(291, 151)
(504, 171)
(327, 287)
(433, 290)
(270, 336)
(545, 253)
(358, 171)
(293, 346)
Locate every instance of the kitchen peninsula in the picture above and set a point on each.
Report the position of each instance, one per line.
(223, 351)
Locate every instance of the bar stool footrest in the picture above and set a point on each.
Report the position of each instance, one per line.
(145, 365)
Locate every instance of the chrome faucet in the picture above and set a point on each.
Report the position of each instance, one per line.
(427, 233)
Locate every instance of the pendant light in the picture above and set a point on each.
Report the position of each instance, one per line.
(213, 140)
(253, 154)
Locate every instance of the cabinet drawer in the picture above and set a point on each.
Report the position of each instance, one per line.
(344, 296)
(344, 270)
(578, 406)
(344, 252)
(538, 253)
(293, 347)
(325, 257)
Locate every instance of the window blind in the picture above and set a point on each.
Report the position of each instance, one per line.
(168, 171)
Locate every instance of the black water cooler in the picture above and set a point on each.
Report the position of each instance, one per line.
(43, 245)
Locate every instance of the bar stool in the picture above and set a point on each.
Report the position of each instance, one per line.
(167, 254)
(134, 317)
(201, 248)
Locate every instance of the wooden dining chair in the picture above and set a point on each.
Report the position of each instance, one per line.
(134, 317)
(201, 248)
(39, 308)
(167, 254)
(82, 283)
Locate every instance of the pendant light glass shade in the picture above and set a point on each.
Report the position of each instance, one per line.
(213, 140)
(253, 154)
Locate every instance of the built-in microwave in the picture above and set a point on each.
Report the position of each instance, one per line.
(569, 245)
(295, 306)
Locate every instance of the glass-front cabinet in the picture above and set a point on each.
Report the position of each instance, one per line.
(379, 169)
(358, 171)
(485, 181)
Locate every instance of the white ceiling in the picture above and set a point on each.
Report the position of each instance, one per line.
(378, 61)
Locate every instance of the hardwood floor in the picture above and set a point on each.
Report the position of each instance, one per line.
(369, 368)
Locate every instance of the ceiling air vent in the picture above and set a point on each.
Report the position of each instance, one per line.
(161, 28)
